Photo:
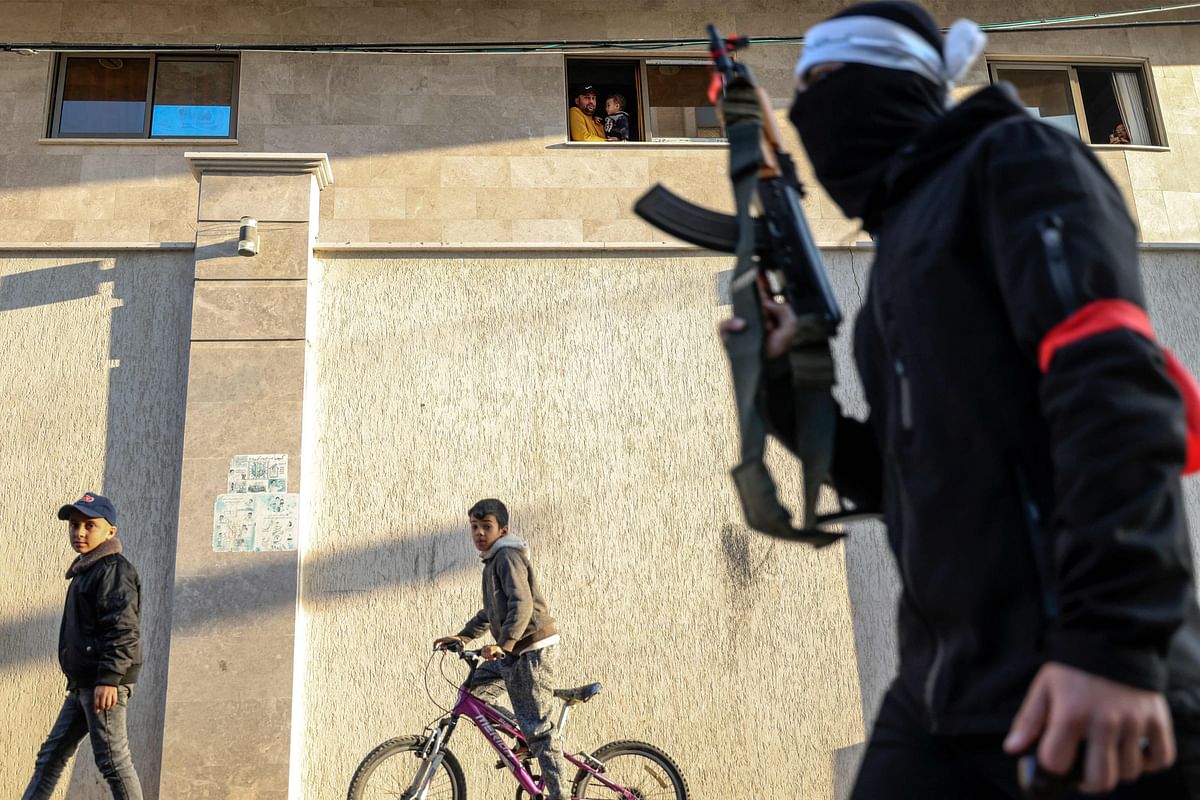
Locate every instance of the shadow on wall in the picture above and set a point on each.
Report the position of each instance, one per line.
(201, 602)
(148, 313)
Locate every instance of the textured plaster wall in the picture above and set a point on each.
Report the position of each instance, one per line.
(592, 396)
(92, 380)
(1172, 285)
(468, 148)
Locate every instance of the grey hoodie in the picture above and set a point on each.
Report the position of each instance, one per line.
(514, 609)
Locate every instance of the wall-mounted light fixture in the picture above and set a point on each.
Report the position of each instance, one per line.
(248, 237)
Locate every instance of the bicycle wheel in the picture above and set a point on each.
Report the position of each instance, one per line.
(387, 771)
(642, 769)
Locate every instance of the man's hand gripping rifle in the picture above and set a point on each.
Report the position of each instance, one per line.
(779, 246)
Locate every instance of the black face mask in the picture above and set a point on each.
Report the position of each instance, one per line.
(853, 121)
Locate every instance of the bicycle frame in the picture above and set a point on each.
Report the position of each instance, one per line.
(492, 724)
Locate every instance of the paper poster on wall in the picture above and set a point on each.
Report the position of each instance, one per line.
(258, 473)
(245, 523)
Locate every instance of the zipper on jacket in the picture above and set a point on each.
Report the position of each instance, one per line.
(882, 320)
(1039, 544)
(906, 409)
(1050, 229)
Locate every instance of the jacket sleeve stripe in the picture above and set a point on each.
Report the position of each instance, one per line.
(1102, 316)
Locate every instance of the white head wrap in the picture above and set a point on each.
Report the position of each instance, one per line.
(884, 43)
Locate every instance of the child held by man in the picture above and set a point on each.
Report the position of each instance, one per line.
(616, 123)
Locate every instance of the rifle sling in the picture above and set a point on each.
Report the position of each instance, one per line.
(812, 371)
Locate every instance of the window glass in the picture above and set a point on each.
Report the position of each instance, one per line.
(104, 96)
(192, 98)
(1046, 94)
(679, 106)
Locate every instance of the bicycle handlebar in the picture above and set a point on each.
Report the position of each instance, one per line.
(460, 650)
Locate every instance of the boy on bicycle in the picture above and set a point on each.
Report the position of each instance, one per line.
(516, 613)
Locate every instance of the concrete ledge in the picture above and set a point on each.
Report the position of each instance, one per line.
(505, 249)
(657, 145)
(262, 164)
(94, 246)
(1167, 247)
(1143, 247)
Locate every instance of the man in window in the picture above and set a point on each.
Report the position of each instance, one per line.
(585, 127)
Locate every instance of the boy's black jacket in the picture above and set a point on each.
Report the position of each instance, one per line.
(1034, 517)
(99, 642)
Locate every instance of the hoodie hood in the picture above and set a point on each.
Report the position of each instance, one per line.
(938, 143)
(507, 540)
(85, 562)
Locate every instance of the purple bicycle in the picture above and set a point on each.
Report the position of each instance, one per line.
(423, 768)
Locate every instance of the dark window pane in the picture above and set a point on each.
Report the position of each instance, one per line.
(192, 98)
(104, 95)
(679, 106)
(1115, 103)
(1099, 104)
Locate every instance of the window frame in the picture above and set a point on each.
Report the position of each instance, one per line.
(685, 58)
(1070, 65)
(58, 82)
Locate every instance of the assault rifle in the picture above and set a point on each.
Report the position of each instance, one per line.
(779, 245)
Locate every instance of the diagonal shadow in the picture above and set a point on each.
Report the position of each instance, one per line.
(202, 602)
(58, 284)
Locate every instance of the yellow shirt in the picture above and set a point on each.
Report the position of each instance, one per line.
(585, 128)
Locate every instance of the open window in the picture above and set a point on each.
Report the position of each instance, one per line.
(1101, 103)
(666, 99)
(145, 96)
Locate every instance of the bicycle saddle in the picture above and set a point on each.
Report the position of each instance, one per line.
(580, 694)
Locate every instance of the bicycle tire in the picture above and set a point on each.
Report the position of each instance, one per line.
(449, 782)
(644, 783)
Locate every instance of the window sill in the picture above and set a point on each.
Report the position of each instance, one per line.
(158, 142)
(1144, 148)
(667, 143)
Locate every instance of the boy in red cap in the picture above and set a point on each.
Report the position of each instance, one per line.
(99, 650)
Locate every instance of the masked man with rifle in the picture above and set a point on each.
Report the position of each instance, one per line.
(1026, 433)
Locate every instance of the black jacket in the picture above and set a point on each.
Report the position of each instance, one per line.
(99, 642)
(1033, 516)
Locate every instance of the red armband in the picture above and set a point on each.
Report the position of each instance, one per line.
(1102, 316)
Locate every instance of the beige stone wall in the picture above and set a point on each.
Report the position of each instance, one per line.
(468, 148)
(92, 381)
